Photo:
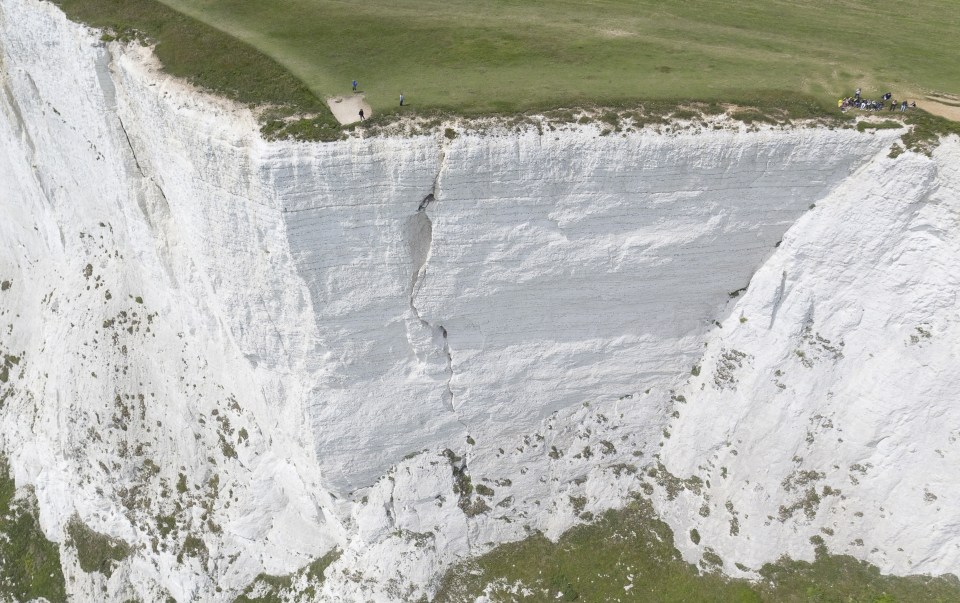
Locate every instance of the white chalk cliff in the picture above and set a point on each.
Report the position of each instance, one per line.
(268, 346)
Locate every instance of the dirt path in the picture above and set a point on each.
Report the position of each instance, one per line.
(347, 108)
(950, 111)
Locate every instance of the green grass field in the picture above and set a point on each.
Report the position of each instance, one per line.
(483, 56)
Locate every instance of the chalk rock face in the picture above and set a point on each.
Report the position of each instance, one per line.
(836, 374)
(238, 355)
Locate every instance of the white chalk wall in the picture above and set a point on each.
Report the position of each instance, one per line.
(319, 312)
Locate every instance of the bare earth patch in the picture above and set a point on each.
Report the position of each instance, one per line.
(949, 111)
(347, 108)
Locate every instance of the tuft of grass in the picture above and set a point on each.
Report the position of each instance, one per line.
(751, 116)
(279, 589)
(887, 124)
(29, 563)
(95, 552)
(926, 132)
(844, 578)
(631, 547)
(483, 490)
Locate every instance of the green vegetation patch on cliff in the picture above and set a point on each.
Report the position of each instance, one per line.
(927, 130)
(29, 563)
(629, 555)
(301, 585)
(95, 552)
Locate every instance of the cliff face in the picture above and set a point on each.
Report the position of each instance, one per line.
(828, 397)
(236, 342)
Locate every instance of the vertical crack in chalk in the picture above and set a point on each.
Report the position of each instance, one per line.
(420, 236)
(420, 246)
(779, 298)
(133, 152)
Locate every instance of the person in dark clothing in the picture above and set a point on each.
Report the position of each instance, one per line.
(361, 115)
(354, 85)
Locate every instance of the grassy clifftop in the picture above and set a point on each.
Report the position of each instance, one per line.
(512, 56)
(482, 56)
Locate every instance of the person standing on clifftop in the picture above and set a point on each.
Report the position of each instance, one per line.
(401, 99)
(354, 85)
(361, 115)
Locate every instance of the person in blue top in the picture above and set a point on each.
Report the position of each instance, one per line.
(354, 85)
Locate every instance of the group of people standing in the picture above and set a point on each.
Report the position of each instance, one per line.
(362, 116)
(858, 102)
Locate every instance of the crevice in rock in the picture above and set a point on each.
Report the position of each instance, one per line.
(155, 209)
(151, 219)
(390, 508)
(136, 161)
(463, 488)
(426, 201)
(133, 152)
(420, 229)
(18, 120)
(449, 357)
(779, 298)
(420, 243)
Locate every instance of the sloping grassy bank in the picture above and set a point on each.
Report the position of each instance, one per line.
(213, 60)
